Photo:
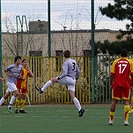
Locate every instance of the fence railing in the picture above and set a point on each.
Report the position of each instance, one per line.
(44, 68)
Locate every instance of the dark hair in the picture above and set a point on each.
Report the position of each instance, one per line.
(123, 53)
(16, 58)
(24, 60)
(67, 53)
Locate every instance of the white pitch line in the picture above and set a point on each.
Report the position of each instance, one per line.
(58, 116)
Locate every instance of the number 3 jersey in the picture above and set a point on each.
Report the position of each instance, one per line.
(122, 69)
(70, 68)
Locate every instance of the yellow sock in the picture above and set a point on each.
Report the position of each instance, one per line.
(22, 104)
(126, 112)
(111, 114)
(17, 103)
(131, 99)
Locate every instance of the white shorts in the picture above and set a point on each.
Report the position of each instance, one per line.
(69, 82)
(11, 87)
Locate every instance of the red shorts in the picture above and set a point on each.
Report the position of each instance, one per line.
(22, 91)
(121, 92)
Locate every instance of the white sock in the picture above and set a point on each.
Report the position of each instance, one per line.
(12, 100)
(77, 104)
(2, 100)
(46, 85)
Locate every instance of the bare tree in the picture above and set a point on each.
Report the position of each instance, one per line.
(17, 42)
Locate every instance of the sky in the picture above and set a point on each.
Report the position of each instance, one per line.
(73, 14)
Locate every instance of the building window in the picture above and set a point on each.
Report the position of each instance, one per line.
(86, 53)
(59, 59)
(35, 53)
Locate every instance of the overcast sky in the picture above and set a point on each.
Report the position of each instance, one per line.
(74, 14)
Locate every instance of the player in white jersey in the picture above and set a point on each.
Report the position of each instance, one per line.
(13, 73)
(68, 77)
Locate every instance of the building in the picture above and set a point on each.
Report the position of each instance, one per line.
(38, 26)
(36, 43)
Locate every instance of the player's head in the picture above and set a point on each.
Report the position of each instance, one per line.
(67, 53)
(123, 53)
(17, 59)
(25, 62)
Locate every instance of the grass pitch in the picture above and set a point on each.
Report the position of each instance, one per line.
(63, 119)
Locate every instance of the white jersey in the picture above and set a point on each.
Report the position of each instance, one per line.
(15, 71)
(70, 69)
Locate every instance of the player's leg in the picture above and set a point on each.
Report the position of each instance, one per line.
(126, 98)
(112, 111)
(76, 102)
(46, 85)
(22, 103)
(17, 103)
(70, 83)
(7, 94)
(116, 95)
(126, 112)
(15, 93)
(13, 89)
(131, 108)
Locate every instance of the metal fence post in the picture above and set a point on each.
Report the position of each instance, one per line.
(49, 30)
(0, 53)
(92, 50)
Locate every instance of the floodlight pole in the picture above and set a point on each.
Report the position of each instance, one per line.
(92, 52)
(0, 53)
(49, 30)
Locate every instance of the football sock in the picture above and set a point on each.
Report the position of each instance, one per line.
(77, 104)
(2, 100)
(12, 100)
(126, 112)
(111, 114)
(17, 103)
(22, 103)
(131, 99)
(46, 85)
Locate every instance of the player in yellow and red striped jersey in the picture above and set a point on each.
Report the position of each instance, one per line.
(121, 71)
(22, 85)
(131, 99)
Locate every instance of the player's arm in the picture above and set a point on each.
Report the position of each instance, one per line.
(21, 75)
(77, 72)
(64, 72)
(111, 79)
(131, 74)
(30, 73)
(112, 73)
(8, 73)
(7, 70)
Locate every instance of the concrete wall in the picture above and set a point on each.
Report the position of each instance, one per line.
(75, 41)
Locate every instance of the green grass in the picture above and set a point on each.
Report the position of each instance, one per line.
(63, 119)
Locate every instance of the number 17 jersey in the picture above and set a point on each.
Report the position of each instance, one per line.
(122, 69)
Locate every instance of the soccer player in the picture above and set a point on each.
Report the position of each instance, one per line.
(121, 71)
(131, 109)
(68, 77)
(13, 73)
(22, 86)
